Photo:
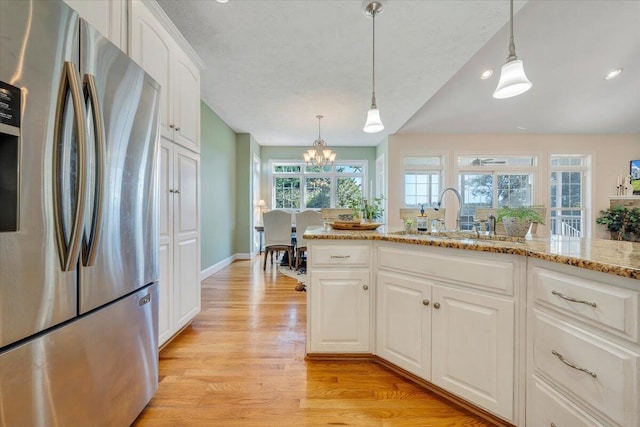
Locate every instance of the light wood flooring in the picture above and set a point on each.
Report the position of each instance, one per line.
(242, 363)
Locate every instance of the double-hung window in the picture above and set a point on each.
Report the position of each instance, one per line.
(422, 180)
(296, 185)
(494, 181)
(569, 174)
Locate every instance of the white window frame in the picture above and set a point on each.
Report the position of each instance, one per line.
(585, 184)
(422, 169)
(494, 170)
(303, 175)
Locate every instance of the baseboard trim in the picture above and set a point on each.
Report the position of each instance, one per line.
(449, 397)
(209, 271)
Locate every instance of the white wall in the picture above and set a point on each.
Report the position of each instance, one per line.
(610, 156)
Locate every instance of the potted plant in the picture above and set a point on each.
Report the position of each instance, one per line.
(622, 222)
(370, 211)
(517, 220)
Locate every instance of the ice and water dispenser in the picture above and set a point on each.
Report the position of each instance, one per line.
(10, 97)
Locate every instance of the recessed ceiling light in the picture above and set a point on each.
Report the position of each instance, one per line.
(521, 128)
(486, 74)
(613, 74)
(222, 1)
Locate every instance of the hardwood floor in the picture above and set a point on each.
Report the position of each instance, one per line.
(241, 363)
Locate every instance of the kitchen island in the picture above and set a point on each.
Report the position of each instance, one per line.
(524, 331)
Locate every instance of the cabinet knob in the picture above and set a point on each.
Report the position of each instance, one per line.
(171, 126)
(171, 190)
(425, 302)
(552, 425)
(365, 287)
(178, 129)
(176, 191)
(436, 305)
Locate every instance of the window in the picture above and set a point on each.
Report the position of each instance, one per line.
(422, 180)
(298, 186)
(567, 204)
(492, 182)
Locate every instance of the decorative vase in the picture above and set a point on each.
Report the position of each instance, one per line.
(516, 228)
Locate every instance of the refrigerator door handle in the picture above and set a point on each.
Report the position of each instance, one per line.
(90, 244)
(69, 83)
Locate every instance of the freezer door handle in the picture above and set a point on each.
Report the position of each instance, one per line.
(92, 238)
(68, 251)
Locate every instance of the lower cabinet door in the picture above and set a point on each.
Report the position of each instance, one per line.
(403, 323)
(473, 348)
(340, 311)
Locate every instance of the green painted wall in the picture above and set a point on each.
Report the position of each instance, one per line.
(246, 147)
(218, 188)
(288, 153)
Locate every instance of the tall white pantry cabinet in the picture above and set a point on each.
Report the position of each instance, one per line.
(158, 47)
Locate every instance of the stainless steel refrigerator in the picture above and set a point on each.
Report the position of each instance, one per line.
(78, 223)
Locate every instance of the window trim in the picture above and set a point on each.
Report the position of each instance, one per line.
(333, 175)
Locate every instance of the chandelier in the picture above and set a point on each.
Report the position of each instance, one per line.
(320, 154)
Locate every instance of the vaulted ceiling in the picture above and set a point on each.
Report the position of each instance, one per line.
(272, 66)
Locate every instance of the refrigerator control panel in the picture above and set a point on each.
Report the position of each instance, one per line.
(10, 98)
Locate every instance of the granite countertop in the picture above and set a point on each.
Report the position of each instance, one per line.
(609, 256)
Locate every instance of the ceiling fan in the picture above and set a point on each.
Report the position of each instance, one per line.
(481, 162)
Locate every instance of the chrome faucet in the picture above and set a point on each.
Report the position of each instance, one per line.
(458, 218)
(493, 224)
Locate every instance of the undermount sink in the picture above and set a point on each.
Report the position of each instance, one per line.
(461, 235)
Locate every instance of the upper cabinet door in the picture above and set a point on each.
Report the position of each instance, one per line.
(186, 103)
(109, 17)
(157, 51)
(151, 47)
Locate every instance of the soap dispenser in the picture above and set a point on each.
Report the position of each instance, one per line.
(423, 220)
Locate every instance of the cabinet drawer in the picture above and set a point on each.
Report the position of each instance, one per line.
(339, 255)
(546, 407)
(481, 272)
(613, 307)
(604, 375)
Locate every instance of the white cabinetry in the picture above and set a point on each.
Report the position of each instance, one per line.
(449, 316)
(403, 322)
(582, 346)
(156, 49)
(179, 238)
(109, 17)
(338, 320)
(473, 347)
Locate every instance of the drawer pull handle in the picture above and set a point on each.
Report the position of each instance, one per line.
(571, 365)
(568, 298)
(340, 256)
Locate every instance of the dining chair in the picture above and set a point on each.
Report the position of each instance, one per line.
(277, 234)
(304, 219)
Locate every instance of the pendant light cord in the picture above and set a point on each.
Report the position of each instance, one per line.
(512, 46)
(373, 93)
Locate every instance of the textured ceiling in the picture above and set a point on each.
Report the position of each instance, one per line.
(272, 66)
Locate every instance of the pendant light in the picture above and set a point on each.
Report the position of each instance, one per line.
(320, 154)
(513, 80)
(373, 123)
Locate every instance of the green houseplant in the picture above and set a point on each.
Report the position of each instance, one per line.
(517, 220)
(622, 222)
(369, 211)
